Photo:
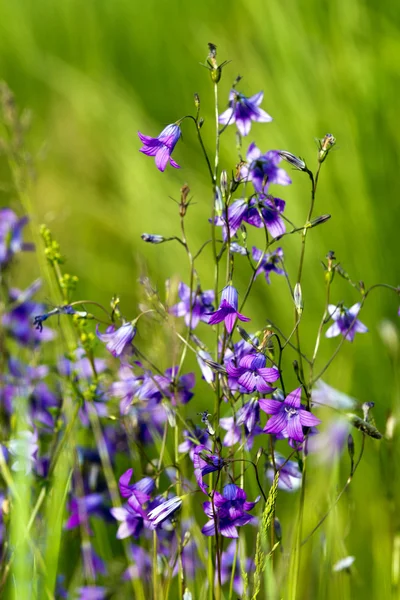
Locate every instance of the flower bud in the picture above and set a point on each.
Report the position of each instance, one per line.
(224, 183)
(152, 238)
(298, 298)
(325, 145)
(320, 220)
(197, 101)
(296, 162)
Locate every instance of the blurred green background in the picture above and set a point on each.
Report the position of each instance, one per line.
(93, 73)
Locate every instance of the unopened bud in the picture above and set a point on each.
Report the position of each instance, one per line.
(298, 298)
(219, 207)
(201, 123)
(295, 161)
(350, 446)
(224, 183)
(152, 238)
(197, 101)
(325, 145)
(320, 220)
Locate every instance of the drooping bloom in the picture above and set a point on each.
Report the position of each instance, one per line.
(269, 262)
(157, 387)
(243, 111)
(164, 511)
(228, 309)
(345, 322)
(260, 212)
(251, 373)
(289, 473)
(230, 512)
(227, 562)
(11, 235)
(117, 340)
(205, 462)
(263, 169)
(162, 146)
(288, 417)
(201, 304)
(325, 395)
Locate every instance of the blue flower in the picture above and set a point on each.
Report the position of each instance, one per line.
(228, 309)
(345, 322)
(243, 111)
(117, 340)
(162, 146)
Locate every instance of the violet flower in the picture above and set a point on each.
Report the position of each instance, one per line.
(163, 511)
(345, 321)
(91, 592)
(290, 477)
(205, 462)
(132, 517)
(141, 490)
(202, 305)
(162, 146)
(11, 235)
(117, 340)
(157, 387)
(234, 431)
(228, 309)
(243, 111)
(230, 512)
(193, 439)
(260, 212)
(251, 374)
(263, 169)
(227, 561)
(269, 262)
(288, 417)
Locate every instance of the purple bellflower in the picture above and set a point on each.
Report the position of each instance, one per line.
(117, 340)
(243, 111)
(263, 169)
(262, 212)
(288, 417)
(157, 387)
(289, 473)
(251, 374)
(11, 235)
(202, 305)
(269, 262)
(228, 309)
(345, 322)
(162, 146)
(230, 512)
(92, 592)
(227, 562)
(205, 462)
(164, 511)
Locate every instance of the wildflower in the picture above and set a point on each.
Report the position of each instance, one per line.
(243, 111)
(163, 511)
(295, 161)
(193, 439)
(262, 212)
(141, 490)
(83, 507)
(288, 417)
(251, 373)
(289, 473)
(203, 359)
(132, 517)
(230, 509)
(117, 339)
(269, 262)
(345, 321)
(263, 169)
(194, 309)
(234, 431)
(11, 235)
(157, 387)
(24, 448)
(92, 592)
(324, 394)
(162, 146)
(205, 462)
(228, 309)
(227, 562)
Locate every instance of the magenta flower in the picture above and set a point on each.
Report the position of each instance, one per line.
(162, 146)
(345, 321)
(228, 309)
(243, 111)
(117, 340)
(288, 417)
